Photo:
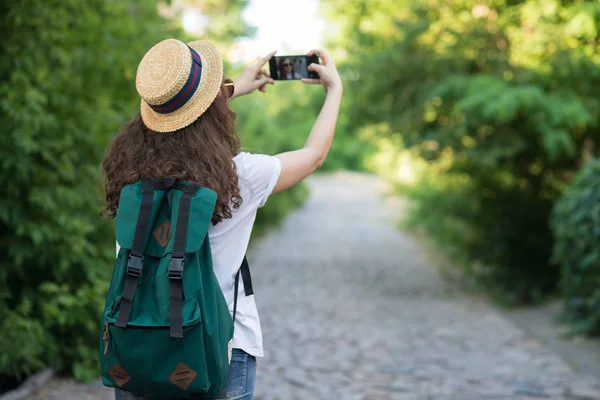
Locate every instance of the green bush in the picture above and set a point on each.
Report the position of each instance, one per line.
(512, 176)
(576, 227)
(67, 71)
(498, 98)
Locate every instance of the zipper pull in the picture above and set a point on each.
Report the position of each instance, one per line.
(105, 336)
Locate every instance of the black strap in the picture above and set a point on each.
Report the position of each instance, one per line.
(248, 291)
(135, 264)
(245, 269)
(176, 264)
(236, 286)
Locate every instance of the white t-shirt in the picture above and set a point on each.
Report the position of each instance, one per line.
(229, 240)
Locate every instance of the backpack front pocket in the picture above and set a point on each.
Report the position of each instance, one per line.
(144, 358)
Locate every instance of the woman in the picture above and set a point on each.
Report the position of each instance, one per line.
(287, 70)
(185, 130)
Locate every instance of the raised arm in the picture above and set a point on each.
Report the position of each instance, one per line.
(297, 165)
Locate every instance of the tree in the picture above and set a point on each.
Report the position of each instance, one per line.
(498, 98)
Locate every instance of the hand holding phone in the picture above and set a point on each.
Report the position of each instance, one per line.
(327, 71)
(287, 68)
(253, 77)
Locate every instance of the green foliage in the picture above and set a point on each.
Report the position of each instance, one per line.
(349, 149)
(576, 227)
(67, 84)
(498, 97)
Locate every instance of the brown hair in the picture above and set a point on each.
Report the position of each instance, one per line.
(201, 153)
(282, 74)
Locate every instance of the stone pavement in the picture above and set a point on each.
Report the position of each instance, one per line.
(351, 310)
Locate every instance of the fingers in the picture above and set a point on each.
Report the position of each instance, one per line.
(263, 88)
(266, 58)
(261, 84)
(322, 54)
(265, 72)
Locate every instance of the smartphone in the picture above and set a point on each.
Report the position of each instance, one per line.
(287, 68)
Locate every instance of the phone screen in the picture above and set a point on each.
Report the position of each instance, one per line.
(287, 68)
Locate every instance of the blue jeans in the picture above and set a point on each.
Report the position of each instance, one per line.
(239, 385)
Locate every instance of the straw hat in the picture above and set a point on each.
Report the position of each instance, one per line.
(177, 83)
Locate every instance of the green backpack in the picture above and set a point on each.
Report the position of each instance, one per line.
(166, 329)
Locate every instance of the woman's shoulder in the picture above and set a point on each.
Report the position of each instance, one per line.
(250, 164)
(257, 173)
(245, 161)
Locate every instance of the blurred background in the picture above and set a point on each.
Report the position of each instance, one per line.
(484, 115)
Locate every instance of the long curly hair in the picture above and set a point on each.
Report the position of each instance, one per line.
(201, 153)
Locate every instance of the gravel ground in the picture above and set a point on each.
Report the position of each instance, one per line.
(351, 310)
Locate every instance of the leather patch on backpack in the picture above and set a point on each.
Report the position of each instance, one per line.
(183, 376)
(162, 233)
(119, 374)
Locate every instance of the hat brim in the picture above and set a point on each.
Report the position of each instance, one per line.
(208, 89)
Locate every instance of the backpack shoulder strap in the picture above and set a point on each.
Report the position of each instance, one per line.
(248, 290)
(177, 261)
(245, 271)
(135, 263)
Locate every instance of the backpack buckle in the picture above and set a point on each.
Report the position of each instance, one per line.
(176, 268)
(134, 265)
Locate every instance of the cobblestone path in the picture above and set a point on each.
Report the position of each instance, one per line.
(351, 310)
